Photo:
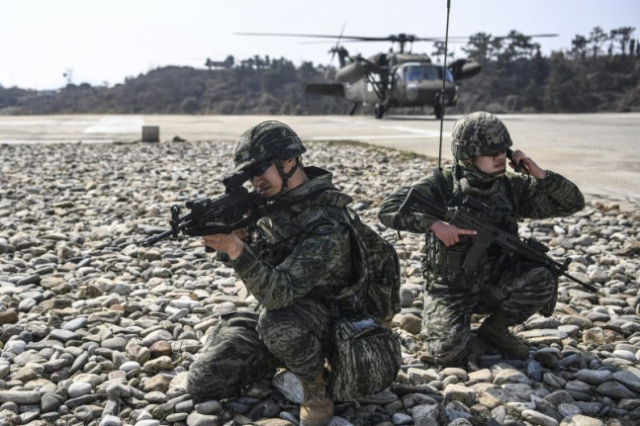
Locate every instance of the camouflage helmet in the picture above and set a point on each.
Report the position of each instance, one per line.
(479, 133)
(266, 141)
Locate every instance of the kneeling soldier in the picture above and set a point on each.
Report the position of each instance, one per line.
(506, 287)
(298, 259)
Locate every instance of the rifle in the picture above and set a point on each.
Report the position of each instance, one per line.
(473, 214)
(237, 208)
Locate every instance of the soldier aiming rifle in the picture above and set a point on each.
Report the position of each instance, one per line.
(299, 265)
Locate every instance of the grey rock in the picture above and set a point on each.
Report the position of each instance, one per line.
(148, 422)
(50, 402)
(399, 419)
(559, 397)
(177, 417)
(110, 420)
(537, 418)
(208, 407)
(431, 410)
(335, 421)
(629, 377)
(581, 420)
(460, 393)
(63, 335)
(114, 343)
(594, 377)
(615, 390)
(567, 410)
(75, 324)
(197, 419)
(534, 370)
(289, 385)
(20, 397)
(79, 389)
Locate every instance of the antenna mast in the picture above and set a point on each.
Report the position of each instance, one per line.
(444, 70)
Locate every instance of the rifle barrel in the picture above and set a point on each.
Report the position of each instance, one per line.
(152, 240)
(582, 283)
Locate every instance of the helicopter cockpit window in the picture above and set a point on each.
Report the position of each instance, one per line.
(426, 72)
(415, 73)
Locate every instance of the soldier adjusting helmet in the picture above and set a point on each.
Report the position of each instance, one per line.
(479, 133)
(264, 142)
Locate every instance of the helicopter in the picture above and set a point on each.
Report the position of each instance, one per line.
(395, 78)
(227, 63)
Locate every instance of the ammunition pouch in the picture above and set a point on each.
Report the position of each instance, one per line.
(365, 360)
(447, 262)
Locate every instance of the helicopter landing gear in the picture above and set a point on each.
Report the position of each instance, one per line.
(353, 108)
(438, 111)
(378, 111)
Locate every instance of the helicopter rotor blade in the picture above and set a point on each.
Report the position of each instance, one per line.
(525, 35)
(334, 50)
(400, 38)
(345, 37)
(314, 36)
(392, 37)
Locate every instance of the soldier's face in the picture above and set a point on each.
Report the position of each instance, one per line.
(269, 183)
(491, 164)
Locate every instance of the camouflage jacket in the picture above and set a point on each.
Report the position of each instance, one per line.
(301, 251)
(532, 198)
(515, 196)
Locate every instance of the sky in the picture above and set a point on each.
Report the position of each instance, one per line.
(103, 42)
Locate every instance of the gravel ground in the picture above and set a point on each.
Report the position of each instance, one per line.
(96, 329)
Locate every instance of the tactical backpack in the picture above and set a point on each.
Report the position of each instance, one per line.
(378, 269)
(366, 354)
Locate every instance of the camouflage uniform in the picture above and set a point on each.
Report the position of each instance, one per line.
(301, 257)
(513, 289)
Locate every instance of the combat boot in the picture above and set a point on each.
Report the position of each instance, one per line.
(495, 331)
(317, 408)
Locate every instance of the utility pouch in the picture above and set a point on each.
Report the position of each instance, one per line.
(451, 263)
(454, 261)
(366, 358)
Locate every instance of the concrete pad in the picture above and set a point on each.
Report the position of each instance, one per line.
(600, 152)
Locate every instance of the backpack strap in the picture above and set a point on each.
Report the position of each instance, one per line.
(278, 206)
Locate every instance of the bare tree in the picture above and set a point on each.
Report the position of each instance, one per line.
(579, 46)
(623, 36)
(597, 38)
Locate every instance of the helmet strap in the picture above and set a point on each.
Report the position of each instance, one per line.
(285, 176)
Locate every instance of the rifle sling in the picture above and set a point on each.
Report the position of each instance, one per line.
(442, 184)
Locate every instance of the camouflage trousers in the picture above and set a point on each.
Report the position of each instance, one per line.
(246, 346)
(521, 291)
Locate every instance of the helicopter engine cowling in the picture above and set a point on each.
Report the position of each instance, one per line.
(354, 71)
(463, 69)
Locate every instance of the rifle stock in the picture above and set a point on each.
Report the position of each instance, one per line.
(468, 216)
